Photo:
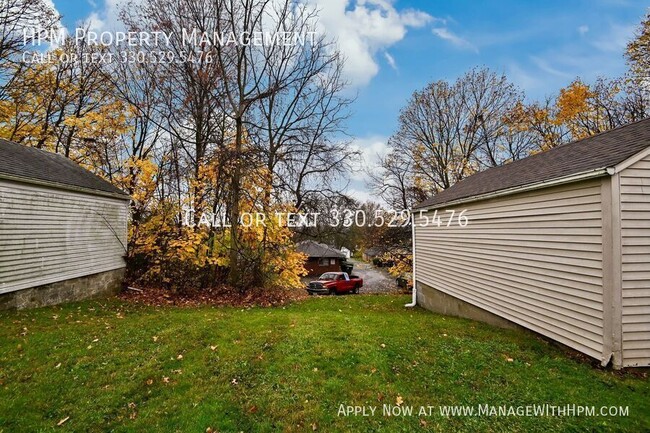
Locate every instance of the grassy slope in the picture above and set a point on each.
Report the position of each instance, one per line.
(293, 367)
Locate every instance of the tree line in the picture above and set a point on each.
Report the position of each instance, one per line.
(231, 129)
(450, 130)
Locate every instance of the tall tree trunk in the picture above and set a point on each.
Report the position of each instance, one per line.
(235, 193)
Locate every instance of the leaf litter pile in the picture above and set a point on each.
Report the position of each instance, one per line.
(219, 296)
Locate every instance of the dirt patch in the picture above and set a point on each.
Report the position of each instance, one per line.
(220, 296)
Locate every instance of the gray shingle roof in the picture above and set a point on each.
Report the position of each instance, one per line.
(590, 154)
(315, 249)
(372, 251)
(25, 162)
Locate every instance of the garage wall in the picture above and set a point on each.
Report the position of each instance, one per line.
(635, 248)
(49, 235)
(533, 258)
(315, 269)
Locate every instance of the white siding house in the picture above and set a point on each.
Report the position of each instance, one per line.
(634, 185)
(62, 229)
(558, 243)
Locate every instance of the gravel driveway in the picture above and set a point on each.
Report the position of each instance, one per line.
(374, 280)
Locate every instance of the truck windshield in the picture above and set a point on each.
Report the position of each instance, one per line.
(328, 276)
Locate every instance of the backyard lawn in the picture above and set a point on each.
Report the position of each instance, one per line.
(118, 366)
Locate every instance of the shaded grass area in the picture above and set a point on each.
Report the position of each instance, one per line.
(121, 367)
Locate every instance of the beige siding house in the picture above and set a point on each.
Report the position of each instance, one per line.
(558, 243)
(62, 230)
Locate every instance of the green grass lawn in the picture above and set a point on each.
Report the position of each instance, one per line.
(122, 367)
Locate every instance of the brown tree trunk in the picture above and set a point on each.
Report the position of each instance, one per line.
(235, 193)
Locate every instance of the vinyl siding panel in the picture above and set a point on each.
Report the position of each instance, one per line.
(535, 258)
(635, 241)
(49, 235)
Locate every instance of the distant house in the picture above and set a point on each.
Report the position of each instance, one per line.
(370, 253)
(62, 230)
(347, 252)
(320, 257)
(558, 242)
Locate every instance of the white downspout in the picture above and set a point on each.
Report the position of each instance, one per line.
(414, 300)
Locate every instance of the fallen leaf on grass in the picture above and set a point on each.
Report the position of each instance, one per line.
(382, 345)
(166, 379)
(399, 400)
(213, 348)
(179, 357)
(155, 339)
(234, 382)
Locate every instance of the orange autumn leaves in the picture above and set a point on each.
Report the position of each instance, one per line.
(175, 252)
(80, 114)
(578, 111)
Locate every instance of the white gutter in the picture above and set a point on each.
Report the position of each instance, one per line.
(531, 187)
(414, 299)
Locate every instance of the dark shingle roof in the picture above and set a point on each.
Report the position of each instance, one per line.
(26, 162)
(372, 251)
(590, 154)
(314, 249)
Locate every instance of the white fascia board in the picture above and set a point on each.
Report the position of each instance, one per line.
(631, 160)
(591, 174)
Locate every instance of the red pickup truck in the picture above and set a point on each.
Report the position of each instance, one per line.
(334, 283)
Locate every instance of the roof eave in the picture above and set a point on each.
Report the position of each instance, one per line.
(590, 174)
(63, 186)
(628, 162)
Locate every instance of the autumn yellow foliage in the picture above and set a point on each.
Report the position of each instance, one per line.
(176, 255)
(572, 102)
